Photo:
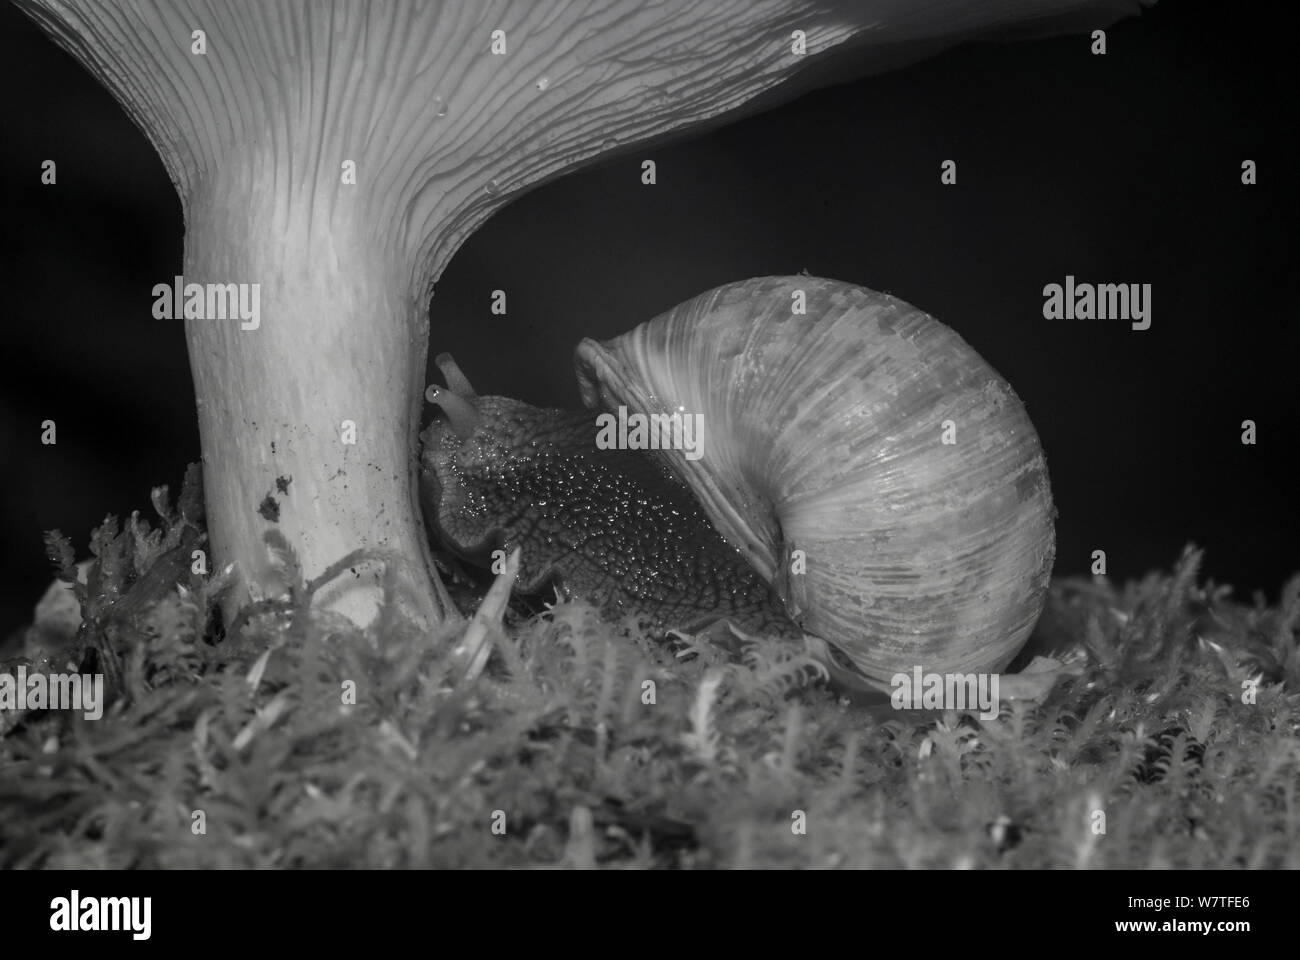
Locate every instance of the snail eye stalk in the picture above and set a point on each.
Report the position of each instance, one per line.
(457, 382)
(461, 412)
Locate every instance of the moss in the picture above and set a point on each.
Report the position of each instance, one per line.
(299, 740)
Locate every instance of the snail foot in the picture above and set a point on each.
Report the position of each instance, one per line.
(1038, 678)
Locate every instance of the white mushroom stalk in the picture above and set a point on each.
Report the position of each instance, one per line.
(335, 155)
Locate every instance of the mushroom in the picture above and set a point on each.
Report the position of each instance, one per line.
(337, 154)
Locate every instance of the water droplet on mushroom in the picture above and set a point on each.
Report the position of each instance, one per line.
(543, 83)
(492, 188)
(439, 107)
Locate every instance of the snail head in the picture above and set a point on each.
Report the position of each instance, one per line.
(457, 401)
(482, 460)
(474, 430)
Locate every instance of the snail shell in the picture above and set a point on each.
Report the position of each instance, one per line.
(824, 446)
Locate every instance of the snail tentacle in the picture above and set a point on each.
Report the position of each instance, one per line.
(457, 382)
(462, 412)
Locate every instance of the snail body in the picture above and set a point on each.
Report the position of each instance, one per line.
(865, 479)
(612, 526)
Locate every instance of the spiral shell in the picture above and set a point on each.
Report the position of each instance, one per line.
(824, 447)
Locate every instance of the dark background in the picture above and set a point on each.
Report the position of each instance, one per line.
(1122, 168)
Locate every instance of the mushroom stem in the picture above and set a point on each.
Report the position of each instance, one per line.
(307, 422)
(335, 154)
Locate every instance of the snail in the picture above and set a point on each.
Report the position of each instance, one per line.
(864, 483)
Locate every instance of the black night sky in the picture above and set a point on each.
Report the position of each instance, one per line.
(1123, 168)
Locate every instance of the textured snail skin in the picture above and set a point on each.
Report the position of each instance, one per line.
(825, 442)
(610, 526)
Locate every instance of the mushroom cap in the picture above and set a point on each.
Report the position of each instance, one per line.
(441, 128)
